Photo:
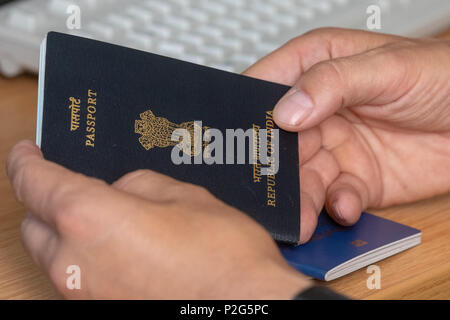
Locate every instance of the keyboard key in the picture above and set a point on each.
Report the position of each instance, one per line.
(23, 20)
(265, 47)
(235, 3)
(263, 8)
(248, 35)
(227, 23)
(158, 6)
(183, 3)
(139, 13)
(104, 30)
(194, 58)
(158, 30)
(195, 14)
(177, 23)
(285, 19)
(230, 43)
(245, 59)
(171, 48)
(59, 7)
(213, 7)
(269, 28)
(190, 38)
(142, 40)
(385, 5)
(209, 31)
(304, 13)
(92, 4)
(120, 21)
(323, 6)
(212, 51)
(246, 16)
(343, 2)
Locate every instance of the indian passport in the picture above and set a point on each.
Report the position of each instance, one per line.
(106, 110)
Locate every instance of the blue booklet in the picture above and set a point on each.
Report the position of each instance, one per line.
(335, 251)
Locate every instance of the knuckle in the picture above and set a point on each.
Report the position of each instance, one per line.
(74, 208)
(70, 207)
(177, 189)
(15, 158)
(330, 71)
(200, 194)
(199, 190)
(16, 179)
(25, 171)
(181, 190)
(67, 217)
(131, 177)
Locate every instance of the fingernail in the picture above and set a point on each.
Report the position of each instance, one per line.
(337, 211)
(294, 108)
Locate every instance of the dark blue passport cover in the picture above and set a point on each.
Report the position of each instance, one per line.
(128, 83)
(333, 245)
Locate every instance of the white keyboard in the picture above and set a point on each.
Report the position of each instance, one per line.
(226, 34)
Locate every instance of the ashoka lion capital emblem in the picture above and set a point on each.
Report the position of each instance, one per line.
(157, 132)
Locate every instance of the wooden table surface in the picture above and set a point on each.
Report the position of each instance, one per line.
(422, 272)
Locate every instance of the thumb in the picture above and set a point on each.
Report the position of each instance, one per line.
(372, 78)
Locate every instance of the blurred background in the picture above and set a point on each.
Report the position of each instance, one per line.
(226, 34)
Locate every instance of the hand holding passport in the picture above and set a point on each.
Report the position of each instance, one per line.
(148, 236)
(106, 111)
(108, 135)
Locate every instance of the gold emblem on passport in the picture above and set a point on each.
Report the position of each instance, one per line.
(157, 132)
(359, 243)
